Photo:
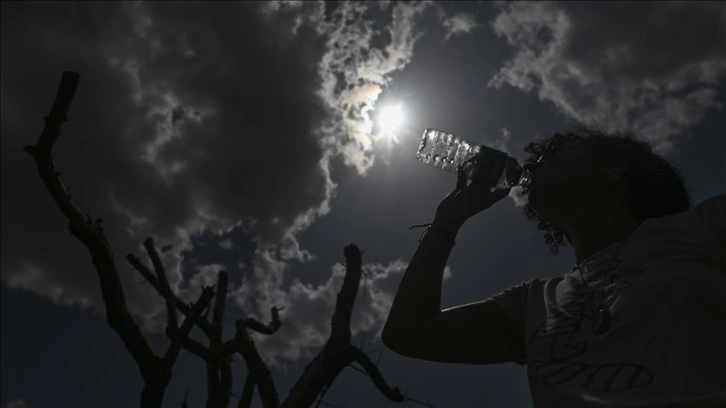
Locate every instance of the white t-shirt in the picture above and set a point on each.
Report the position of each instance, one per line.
(666, 298)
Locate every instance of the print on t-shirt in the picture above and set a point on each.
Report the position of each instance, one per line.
(566, 331)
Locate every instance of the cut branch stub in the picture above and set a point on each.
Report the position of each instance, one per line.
(262, 328)
(340, 322)
(218, 315)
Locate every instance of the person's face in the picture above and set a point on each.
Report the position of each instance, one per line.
(565, 176)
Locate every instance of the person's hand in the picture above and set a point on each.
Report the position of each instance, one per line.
(466, 201)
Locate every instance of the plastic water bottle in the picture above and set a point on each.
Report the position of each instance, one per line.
(447, 152)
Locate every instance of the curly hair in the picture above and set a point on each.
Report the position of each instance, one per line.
(655, 187)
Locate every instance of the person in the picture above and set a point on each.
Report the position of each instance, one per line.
(639, 320)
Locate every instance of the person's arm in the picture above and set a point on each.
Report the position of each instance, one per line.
(419, 294)
(475, 333)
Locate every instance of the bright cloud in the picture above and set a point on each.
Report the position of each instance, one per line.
(458, 24)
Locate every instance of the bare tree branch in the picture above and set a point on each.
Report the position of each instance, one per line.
(245, 400)
(196, 348)
(216, 394)
(212, 383)
(262, 328)
(165, 289)
(90, 233)
(222, 280)
(180, 305)
(188, 343)
(392, 393)
(340, 323)
(337, 354)
(184, 403)
(256, 367)
(225, 382)
(179, 335)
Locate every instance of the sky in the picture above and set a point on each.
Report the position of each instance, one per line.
(245, 137)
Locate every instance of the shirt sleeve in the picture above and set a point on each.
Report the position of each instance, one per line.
(513, 301)
(712, 213)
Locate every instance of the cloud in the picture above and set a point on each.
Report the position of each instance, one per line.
(518, 196)
(355, 72)
(188, 124)
(657, 74)
(179, 119)
(502, 141)
(458, 24)
(226, 243)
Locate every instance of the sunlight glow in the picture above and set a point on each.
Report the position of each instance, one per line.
(390, 118)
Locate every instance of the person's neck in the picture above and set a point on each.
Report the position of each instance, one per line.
(602, 222)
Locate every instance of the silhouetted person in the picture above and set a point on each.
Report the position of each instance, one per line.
(639, 320)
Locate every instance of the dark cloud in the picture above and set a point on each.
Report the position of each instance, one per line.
(190, 121)
(647, 67)
(189, 117)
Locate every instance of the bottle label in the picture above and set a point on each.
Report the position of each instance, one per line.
(490, 165)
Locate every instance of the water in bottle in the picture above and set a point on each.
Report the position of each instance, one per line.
(445, 151)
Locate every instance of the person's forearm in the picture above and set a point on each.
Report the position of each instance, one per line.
(419, 293)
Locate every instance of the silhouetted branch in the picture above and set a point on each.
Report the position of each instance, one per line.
(245, 400)
(337, 354)
(322, 394)
(188, 343)
(212, 383)
(196, 348)
(340, 323)
(184, 403)
(225, 383)
(262, 328)
(216, 393)
(256, 367)
(179, 335)
(203, 324)
(222, 280)
(426, 404)
(392, 393)
(90, 233)
(164, 288)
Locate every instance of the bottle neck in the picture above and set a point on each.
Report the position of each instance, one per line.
(525, 179)
(517, 174)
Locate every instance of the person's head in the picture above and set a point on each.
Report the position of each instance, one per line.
(584, 163)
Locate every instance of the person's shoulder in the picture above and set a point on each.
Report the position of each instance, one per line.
(712, 213)
(716, 204)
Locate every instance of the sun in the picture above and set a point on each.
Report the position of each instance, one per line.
(390, 118)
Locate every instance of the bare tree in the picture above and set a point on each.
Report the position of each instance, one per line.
(337, 354)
